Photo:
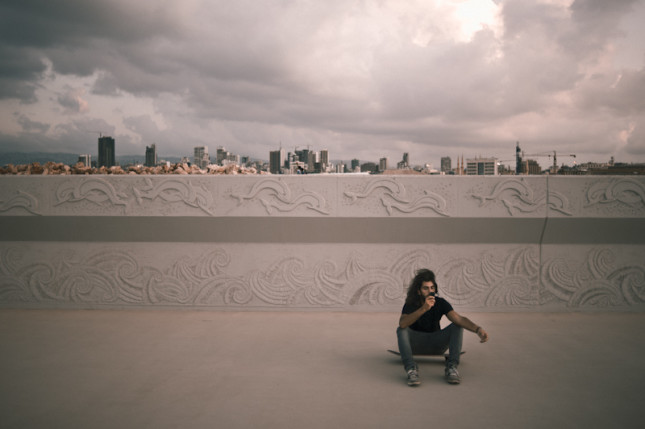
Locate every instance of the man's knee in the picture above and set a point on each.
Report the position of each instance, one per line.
(403, 334)
(456, 328)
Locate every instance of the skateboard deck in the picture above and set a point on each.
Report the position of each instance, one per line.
(416, 354)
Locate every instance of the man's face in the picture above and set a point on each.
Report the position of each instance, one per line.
(426, 288)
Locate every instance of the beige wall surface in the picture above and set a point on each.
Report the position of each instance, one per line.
(349, 242)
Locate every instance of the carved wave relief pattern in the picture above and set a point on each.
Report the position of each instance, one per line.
(102, 193)
(517, 197)
(115, 277)
(111, 277)
(494, 280)
(23, 201)
(598, 282)
(617, 193)
(395, 196)
(173, 191)
(275, 195)
(94, 190)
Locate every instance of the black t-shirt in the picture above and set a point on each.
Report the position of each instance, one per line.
(429, 321)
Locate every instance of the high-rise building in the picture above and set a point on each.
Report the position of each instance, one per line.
(303, 156)
(446, 164)
(222, 155)
(86, 159)
(276, 161)
(231, 159)
(405, 162)
(106, 152)
(356, 165)
(531, 166)
(481, 167)
(151, 155)
(519, 166)
(324, 156)
(202, 159)
(324, 160)
(291, 158)
(382, 164)
(314, 158)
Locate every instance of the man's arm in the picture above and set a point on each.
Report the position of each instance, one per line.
(467, 324)
(406, 320)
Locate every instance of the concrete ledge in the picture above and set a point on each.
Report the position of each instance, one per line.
(594, 231)
(325, 230)
(315, 242)
(270, 230)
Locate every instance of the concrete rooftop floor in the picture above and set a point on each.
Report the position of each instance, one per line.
(222, 369)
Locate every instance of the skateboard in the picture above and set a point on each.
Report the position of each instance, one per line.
(394, 352)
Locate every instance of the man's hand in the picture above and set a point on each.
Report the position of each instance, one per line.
(483, 335)
(428, 303)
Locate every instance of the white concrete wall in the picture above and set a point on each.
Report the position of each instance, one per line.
(322, 241)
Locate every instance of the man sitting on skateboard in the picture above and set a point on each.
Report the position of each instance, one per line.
(419, 331)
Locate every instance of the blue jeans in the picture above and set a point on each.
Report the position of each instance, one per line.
(417, 342)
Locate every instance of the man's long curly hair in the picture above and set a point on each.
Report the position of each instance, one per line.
(413, 297)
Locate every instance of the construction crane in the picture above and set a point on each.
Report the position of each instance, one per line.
(100, 133)
(554, 168)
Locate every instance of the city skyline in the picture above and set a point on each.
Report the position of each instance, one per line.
(299, 162)
(364, 80)
(201, 157)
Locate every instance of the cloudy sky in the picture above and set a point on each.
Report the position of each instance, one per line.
(363, 79)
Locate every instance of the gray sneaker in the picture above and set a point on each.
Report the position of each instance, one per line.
(452, 375)
(413, 377)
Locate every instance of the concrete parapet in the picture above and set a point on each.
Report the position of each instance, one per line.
(322, 241)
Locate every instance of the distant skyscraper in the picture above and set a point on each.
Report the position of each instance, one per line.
(446, 164)
(106, 152)
(324, 159)
(201, 157)
(303, 156)
(276, 161)
(314, 158)
(324, 156)
(382, 164)
(518, 159)
(151, 156)
(222, 155)
(85, 159)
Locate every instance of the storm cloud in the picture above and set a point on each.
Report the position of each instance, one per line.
(361, 79)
